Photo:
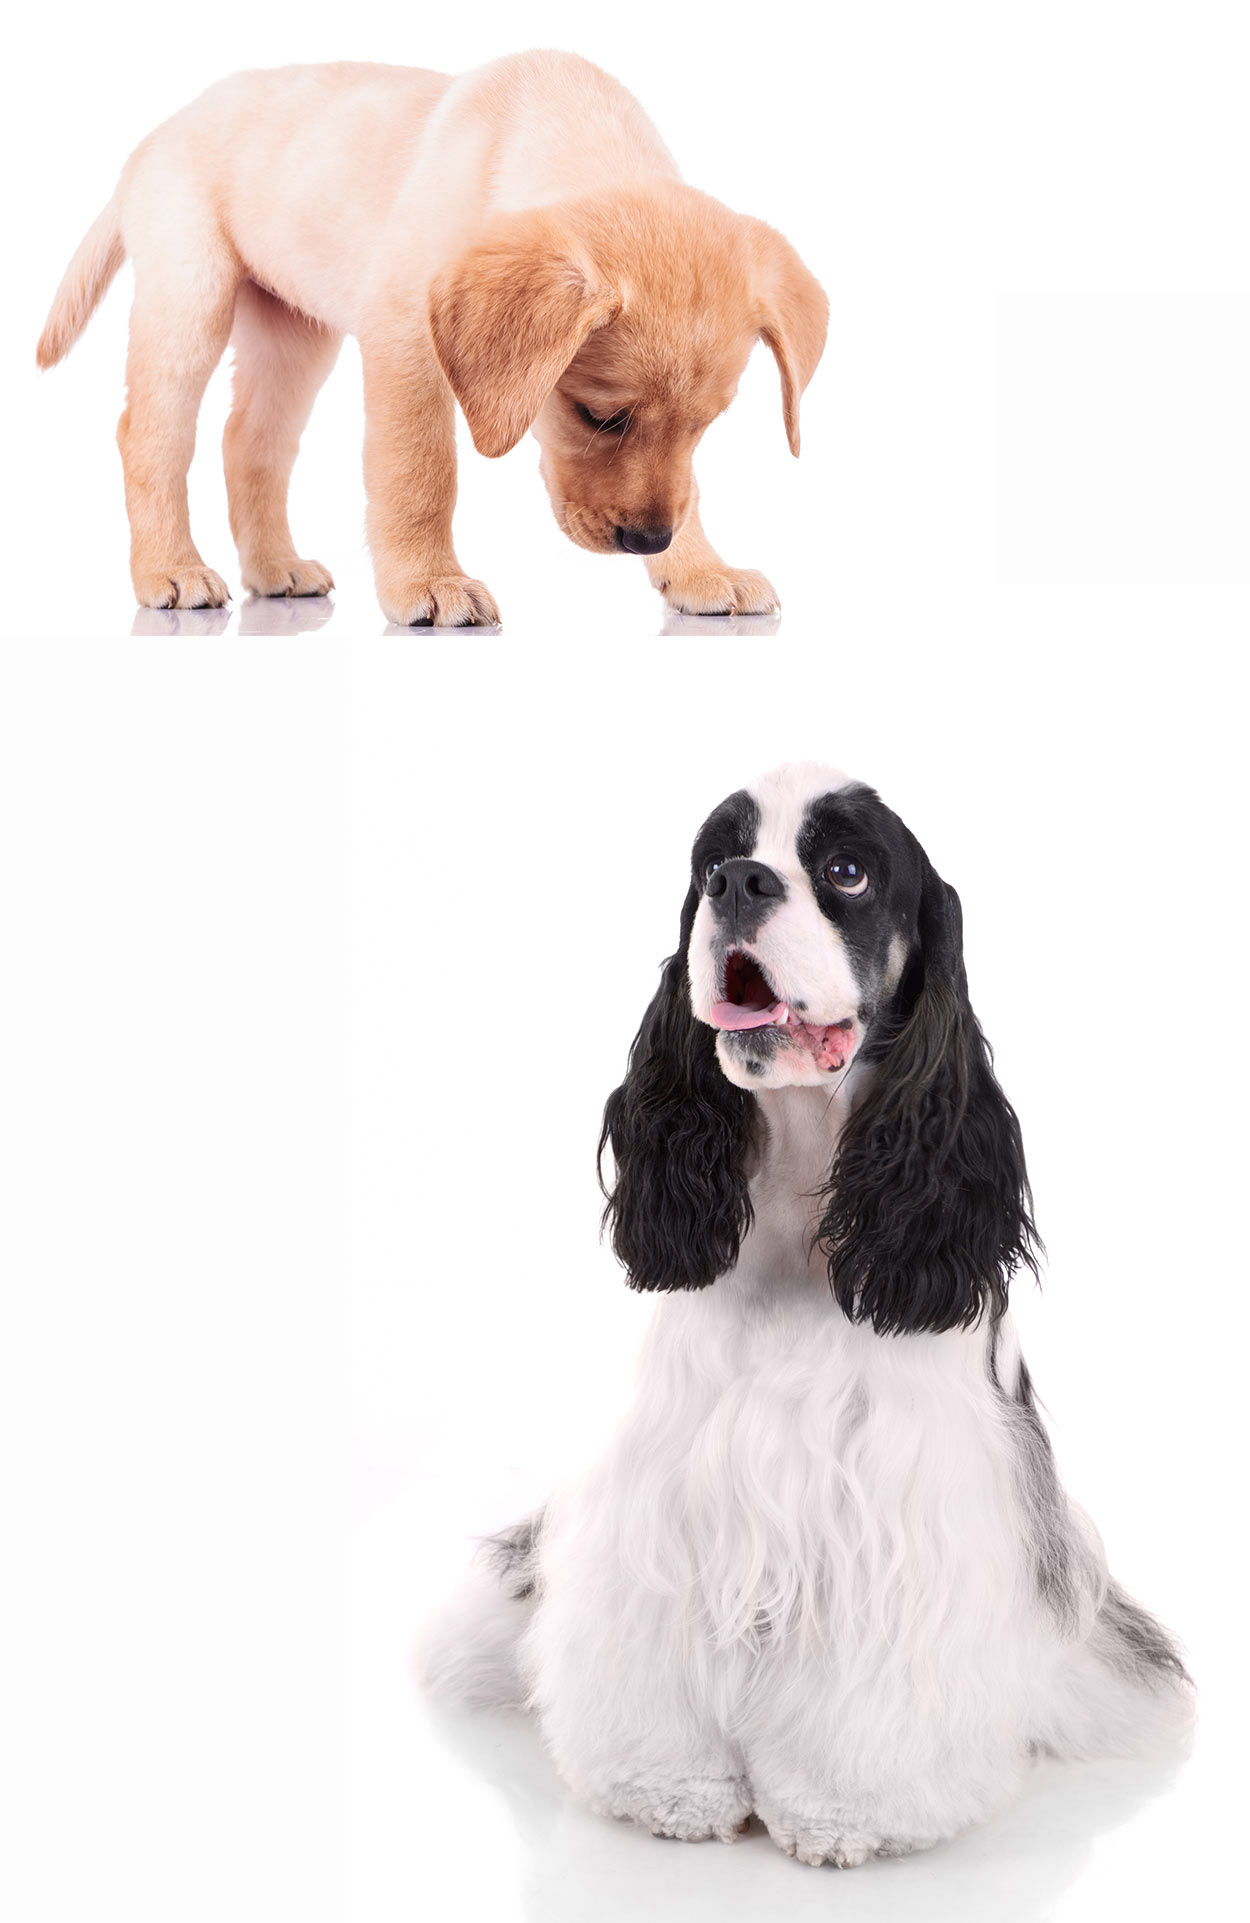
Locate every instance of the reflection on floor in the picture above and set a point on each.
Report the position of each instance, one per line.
(427, 627)
(743, 625)
(578, 1865)
(156, 621)
(278, 614)
(258, 614)
(306, 613)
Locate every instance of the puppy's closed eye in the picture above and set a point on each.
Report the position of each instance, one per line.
(614, 423)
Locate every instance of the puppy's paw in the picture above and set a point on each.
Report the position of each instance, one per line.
(691, 1808)
(445, 601)
(287, 576)
(193, 586)
(721, 591)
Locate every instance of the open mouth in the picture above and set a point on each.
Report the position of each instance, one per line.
(750, 1001)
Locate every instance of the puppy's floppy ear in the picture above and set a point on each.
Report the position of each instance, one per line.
(507, 317)
(929, 1211)
(680, 1135)
(794, 317)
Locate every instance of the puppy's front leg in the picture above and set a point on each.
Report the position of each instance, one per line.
(693, 579)
(410, 478)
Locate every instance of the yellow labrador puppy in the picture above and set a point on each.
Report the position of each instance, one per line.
(517, 240)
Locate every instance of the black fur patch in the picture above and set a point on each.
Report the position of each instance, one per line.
(928, 1212)
(1045, 1505)
(513, 1556)
(1130, 1639)
(1137, 1644)
(680, 1133)
(854, 824)
(731, 830)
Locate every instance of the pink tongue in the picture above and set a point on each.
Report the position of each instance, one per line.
(730, 1015)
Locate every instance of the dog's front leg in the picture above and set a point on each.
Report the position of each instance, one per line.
(628, 1689)
(693, 579)
(856, 1750)
(410, 479)
(621, 1722)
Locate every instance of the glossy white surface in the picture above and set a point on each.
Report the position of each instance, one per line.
(1083, 1843)
(282, 894)
(1035, 369)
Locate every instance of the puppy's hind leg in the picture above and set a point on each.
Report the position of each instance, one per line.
(185, 280)
(281, 358)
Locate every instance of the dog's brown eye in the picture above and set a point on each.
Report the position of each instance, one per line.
(709, 869)
(614, 424)
(848, 877)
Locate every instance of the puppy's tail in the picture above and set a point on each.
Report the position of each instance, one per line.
(87, 279)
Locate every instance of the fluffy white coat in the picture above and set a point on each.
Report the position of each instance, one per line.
(804, 1580)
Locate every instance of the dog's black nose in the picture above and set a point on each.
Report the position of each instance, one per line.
(644, 540)
(743, 894)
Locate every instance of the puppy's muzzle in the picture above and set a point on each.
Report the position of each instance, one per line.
(643, 540)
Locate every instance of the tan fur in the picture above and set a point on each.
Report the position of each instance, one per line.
(517, 240)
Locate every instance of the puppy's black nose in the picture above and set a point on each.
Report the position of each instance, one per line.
(743, 894)
(643, 540)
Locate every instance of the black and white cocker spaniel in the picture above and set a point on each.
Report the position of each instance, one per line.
(826, 1571)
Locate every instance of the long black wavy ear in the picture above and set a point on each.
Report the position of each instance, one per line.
(680, 1135)
(929, 1211)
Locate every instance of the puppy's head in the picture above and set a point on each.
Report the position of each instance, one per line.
(816, 934)
(617, 327)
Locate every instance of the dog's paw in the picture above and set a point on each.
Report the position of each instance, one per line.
(446, 601)
(289, 576)
(838, 1839)
(691, 1808)
(817, 1846)
(182, 587)
(721, 591)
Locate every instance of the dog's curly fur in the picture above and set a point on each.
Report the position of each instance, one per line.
(827, 1570)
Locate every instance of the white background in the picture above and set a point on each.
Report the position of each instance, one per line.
(247, 872)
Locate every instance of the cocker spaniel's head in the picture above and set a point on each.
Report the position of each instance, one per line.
(817, 934)
(807, 906)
